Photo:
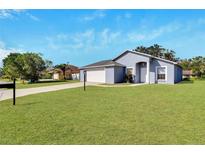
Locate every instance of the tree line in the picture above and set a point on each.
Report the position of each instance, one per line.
(29, 66)
(196, 64)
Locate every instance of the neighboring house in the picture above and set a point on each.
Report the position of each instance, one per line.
(71, 73)
(144, 68)
(188, 73)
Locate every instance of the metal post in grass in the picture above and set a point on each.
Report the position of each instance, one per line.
(14, 92)
(10, 85)
(84, 75)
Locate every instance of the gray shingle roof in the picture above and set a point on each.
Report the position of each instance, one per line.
(103, 63)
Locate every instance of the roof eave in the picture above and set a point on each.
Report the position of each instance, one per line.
(113, 65)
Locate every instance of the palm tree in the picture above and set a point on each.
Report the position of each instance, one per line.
(141, 49)
(156, 50)
(169, 55)
(62, 67)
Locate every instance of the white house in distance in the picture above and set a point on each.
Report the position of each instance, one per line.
(145, 68)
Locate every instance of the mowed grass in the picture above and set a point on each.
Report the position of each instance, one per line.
(148, 114)
(20, 85)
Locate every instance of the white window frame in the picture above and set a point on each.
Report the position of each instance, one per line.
(156, 70)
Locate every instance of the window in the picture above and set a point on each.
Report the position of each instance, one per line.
(161, 73)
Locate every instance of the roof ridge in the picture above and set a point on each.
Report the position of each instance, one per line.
(148, 55)
(103, 63)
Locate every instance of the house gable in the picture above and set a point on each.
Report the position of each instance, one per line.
(129, 59)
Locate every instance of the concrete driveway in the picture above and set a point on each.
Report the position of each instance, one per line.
(7, 94)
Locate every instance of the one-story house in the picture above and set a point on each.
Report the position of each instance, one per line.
(145, 68)
(71, 73)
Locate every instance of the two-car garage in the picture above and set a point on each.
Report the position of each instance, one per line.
(106, 71)
(96, 75)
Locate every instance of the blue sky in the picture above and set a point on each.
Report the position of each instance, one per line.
(85, 36)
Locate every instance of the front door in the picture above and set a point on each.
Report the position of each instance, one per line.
(143, 72)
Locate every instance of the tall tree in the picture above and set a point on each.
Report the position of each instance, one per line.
(48, 64)
(141, 49)
(11, 66)
(198, 65)
(32, 65)
(156, 50)
(169, 55)
(186, 64)
(26, 66)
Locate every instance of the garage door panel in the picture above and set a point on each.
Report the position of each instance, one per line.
(96, 75)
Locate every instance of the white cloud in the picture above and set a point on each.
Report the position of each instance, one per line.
(71, 42)
(2, 44)
(155, 33)
(85, 38)
(108, 36)
(13, 14)
(128, 15)
(124, 16)
(32, 17)
(3, 54)
(201, 21)
(62, 36)
(85, 41)
(133, 36)
(92, 40)
(99, 14)
(6, 51)
(5, 14)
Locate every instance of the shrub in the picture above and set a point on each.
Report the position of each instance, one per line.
(129, 78)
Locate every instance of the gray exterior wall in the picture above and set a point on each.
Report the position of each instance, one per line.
(177, 74)
(114, 74)
(119, 74)
(131, 60)
(109, 75)
(153, 74)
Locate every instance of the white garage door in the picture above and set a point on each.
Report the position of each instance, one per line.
(97, 75)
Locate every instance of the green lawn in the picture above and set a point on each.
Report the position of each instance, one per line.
(148, 114)
(20, 85)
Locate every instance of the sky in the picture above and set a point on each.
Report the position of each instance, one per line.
(82, 37)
